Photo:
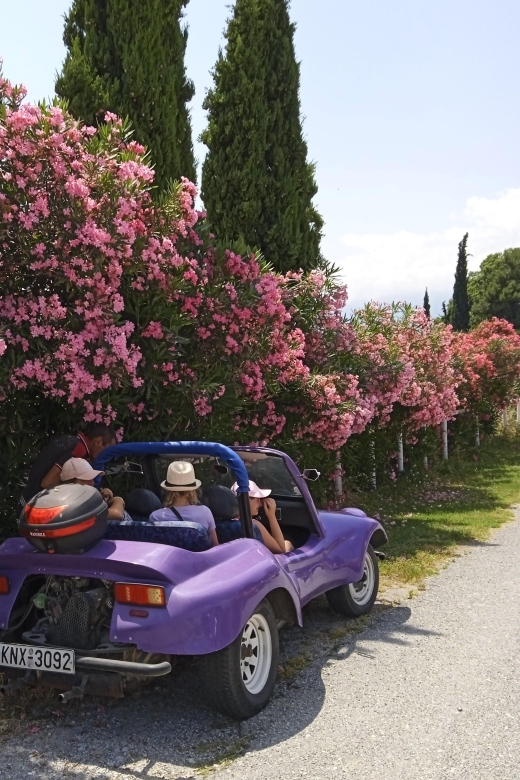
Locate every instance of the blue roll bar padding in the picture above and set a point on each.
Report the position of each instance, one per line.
(203, 448)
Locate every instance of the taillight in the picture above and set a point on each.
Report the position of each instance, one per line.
(4, 586)
(56, 533)
(139, 595)
(38, 516)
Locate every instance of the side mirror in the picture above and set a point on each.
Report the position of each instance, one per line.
(311, 475)
(221, 468)
(132, 468)
(127, 467)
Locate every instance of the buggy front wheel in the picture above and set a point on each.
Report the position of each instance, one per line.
(357, 598)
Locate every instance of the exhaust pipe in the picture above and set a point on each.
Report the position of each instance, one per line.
(20, 682)
(76, 692)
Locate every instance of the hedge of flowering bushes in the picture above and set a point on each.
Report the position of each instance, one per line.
(118, 308)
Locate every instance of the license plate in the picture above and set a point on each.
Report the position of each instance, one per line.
(44, 659)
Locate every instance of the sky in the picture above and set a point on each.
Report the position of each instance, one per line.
(411, 113)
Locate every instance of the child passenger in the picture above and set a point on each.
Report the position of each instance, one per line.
(79, 471)
(258, 498)
(181, 502)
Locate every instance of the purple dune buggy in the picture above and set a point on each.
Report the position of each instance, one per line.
(102, 621)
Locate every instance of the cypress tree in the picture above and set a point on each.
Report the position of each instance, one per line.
(426, 304)
(127, 56)
(257, 184)
(460, 301)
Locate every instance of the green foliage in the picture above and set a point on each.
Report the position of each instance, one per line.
(127, 57)
(257, 184)
(495, 289)
(462, 501)
(27, 422)
(459, 315)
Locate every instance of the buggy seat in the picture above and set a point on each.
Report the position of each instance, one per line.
(185, 535)
(224, 508)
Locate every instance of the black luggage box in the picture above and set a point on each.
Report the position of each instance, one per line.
(65, 519)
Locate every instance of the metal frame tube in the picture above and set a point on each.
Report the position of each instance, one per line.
(123, 667)
(244, 509)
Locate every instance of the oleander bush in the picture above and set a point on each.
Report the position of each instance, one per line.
(120, 308)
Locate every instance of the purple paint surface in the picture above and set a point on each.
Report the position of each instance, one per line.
(209, 595)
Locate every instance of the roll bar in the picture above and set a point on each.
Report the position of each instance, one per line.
(202, 448)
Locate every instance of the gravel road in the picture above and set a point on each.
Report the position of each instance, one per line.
(429, 691)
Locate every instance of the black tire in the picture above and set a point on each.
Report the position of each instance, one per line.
(350, 600)
(223, 674)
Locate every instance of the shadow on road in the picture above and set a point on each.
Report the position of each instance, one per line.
(166, 731)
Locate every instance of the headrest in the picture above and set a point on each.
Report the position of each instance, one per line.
(142, 502)
(222, 502)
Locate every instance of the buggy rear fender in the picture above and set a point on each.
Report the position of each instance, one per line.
(209, 595)
(207, 611)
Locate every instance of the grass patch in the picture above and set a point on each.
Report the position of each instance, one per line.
(223, 758)
(354, 626)
(288, 671)
(459, 505)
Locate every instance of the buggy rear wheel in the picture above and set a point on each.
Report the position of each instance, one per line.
(239, 680)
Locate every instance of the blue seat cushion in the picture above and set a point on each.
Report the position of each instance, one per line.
(187, 536)
(229, 530)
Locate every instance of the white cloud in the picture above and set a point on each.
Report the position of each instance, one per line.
(399, 266)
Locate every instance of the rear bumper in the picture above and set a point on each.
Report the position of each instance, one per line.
(88, 664)
(122, 667)
(94, 676)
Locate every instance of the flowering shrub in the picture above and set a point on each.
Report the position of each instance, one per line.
(406, 362)
(487, 360)
(116, 308)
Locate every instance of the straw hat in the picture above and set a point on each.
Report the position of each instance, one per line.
(180, 476)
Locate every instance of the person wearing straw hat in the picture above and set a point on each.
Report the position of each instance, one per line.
(181, 502)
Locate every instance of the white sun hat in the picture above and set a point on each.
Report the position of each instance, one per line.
(180, 476)
(78, 468)
(254, 490)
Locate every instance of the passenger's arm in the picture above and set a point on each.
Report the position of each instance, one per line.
(214, 537)
(270, 510)
(116, 507)
(52, 478)
(269, 541)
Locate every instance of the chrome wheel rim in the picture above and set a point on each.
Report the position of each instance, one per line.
(362, 591)
(256, 654)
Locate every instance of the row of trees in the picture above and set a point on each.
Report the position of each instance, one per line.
(115, 307)
(127, 57)
(492, 291)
